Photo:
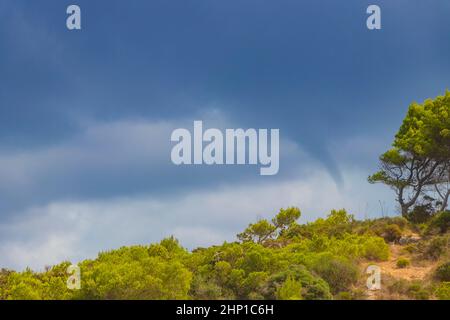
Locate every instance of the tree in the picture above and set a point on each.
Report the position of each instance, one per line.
(418, 164)
(285, 218)
(263, 230)
(426, 132)
(258, 232)
(408, 175)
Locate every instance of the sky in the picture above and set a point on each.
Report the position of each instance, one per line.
(86, 115)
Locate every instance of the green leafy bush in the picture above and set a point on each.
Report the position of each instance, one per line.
(403, 263)
(443, 272)
(421, 214)
(442, 292)
(338, 272)
(376, 249)
(290, 290)
(313, 287)
(392, 233)
(278, 259)
(436, 247)
(410, 248)
(441, 221)
(418, 292)
(344, 295)
(400, 286)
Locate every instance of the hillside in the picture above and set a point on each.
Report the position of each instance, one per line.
(278, 259)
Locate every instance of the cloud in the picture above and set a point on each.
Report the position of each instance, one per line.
(77, 230)
(103, 159)
(109, 159)
(113, 184)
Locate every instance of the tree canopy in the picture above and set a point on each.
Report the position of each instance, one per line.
(417, 167)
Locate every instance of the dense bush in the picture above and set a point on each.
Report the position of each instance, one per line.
(390, 229)
(403, 263)
(376, 249)
(421, 214)
(276, 259)
(338, 272)
(313, 287)
(413, 289)
(418, 292)
(443, 272)
(436, 247)
(392, 233)
(441, 222)
(290, 290)
(442, 292)
(399, 286)
(337, 224)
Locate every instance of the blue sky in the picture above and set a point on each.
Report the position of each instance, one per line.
(86, 116)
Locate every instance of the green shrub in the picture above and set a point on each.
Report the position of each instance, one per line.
(338, 272)
(443, 291)
(392, 233)
(443, 272)
(413, 290)
(290, 290)
(376, 249)
(403, 263)
(436, 247)
(344, 295)
(421, 294)
(400, 286)
(420, 214)
(441, 221)
(203, 289)
(416, 291)
(356, 294)
(313, 287)
(399, 221)
(410, 248)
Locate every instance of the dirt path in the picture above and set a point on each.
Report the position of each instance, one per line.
(411, 272)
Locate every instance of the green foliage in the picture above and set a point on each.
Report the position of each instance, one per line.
(313, 287)
(392, 233)
(337, 224)
(418, 162)
(375, 248)
(258, 232)
(29, 285)
(400, 286)
(138, 272)
(425, 129)
(390, 229)
(441, 221)
(403, 263)
(417, 291)
(421, 213)
(412, 289)
(344, 295)
(290, 290)
(443, 291)
(285, 218)
(443, 272)
(264, 230)
(338, 272)
(436, 247)
(313, 261)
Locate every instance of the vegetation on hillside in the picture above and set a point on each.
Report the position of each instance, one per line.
(282, 259)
